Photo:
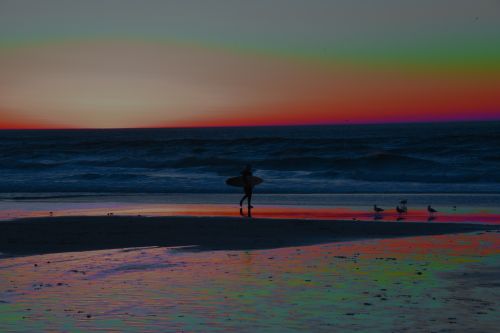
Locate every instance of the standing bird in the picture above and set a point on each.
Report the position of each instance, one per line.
(400, 210)
(402, 205)
(377, 209)
(431, 210)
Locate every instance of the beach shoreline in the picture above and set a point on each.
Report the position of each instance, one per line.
(86, 233)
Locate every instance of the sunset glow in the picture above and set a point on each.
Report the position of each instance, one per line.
(121, 64)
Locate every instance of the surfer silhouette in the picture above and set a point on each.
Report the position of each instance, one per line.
(247, 175)
(248, 181)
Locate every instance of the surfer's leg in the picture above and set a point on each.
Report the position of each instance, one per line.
(243, 199)
(249, 195)
(249, 200)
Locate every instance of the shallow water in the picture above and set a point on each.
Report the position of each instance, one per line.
(420, 284)
(478, 208)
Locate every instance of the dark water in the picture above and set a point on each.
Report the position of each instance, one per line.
(402, 158)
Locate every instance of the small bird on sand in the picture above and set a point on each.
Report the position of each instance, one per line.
(431, 210)
(377, 209)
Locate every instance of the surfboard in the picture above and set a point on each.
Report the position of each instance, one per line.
(238, 181)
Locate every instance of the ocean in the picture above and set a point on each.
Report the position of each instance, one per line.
(394, 158)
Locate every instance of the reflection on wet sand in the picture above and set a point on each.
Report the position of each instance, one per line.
(332, 287)
(282, 212)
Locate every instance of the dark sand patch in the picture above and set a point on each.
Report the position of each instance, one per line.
(65, 234)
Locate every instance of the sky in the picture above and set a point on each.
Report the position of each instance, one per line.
(161, 63)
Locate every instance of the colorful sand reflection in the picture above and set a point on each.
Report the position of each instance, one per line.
(338, 286)
(470, 215)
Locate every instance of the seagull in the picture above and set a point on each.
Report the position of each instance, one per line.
(431, 210)
(377, 209)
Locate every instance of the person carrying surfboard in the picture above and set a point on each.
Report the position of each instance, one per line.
(248, 181)
(247, 175)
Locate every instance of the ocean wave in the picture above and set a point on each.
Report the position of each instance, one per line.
(27, 165)
(200, 159)
(306, 163)
(97, 176)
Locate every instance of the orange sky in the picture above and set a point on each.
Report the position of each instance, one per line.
(139, 84)
(115, 64)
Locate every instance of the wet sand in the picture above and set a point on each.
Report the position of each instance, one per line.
(84, 233)
(482, 210)
(444, 283)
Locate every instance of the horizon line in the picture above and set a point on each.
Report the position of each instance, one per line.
(345, 123)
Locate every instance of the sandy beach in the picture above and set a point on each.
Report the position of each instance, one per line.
(84, 233)
(442, 283)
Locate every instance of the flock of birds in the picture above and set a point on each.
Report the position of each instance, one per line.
(403, 209)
